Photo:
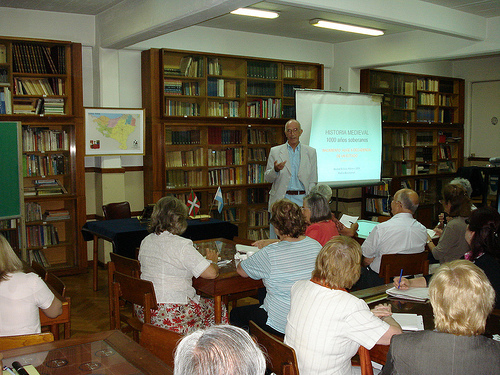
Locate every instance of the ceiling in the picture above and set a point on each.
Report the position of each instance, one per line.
(293, 21)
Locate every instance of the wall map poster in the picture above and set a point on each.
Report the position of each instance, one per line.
(114, 131)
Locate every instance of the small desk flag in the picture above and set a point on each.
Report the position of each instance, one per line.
(193, 204)
(218, 198)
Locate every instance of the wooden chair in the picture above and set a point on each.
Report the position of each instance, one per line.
(160, 341)
(282, 358)
(39, 269)
(119, 210)
(55, 283)
(138, 292)
(365, 361)
(124, 265)
(412, 264)
(12, 342)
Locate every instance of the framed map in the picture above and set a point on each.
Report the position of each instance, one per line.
(114, 131)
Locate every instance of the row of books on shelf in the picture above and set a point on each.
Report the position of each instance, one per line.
(178, 178)
(39, 257)
(398, 153)
(223, 88)
(260, 136)
(38, 59)
(45, 187)
(446, 115)
(424, 154)
(39, 86)
(178, 87)
(404, 103)
(261, 88)
(48, 106)
(230, 156)
(424, 138)
(297, 71)
(189, 66)
(265, 70)
(402, 87)
(190, 158)
(34, 212)
(43, 139)
(5, 101)
(258, 234)
(8, 224)
(267, 108)
(220, 136)
(258, 218)
(223, 109)
(401, 138)
(178, 108)
(232, 197)
(289, 90)
(226, 176)
(256, 173)
(427, 84)
(214, 67)
(446, 166)
(447, 100)
(41, 235)
(378, 205)
(257, 154)
(44, 165)
(381, 190)
(182, 137)
(257, 196)
(445, 151)
(231, 214)
(426, 98)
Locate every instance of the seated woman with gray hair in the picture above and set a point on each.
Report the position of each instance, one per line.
(219, 350)
(170, 262)
(462, 298)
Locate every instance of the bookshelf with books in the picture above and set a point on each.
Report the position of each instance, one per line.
(9, 228)
(228, 113)
(41, 82)
(423, 118)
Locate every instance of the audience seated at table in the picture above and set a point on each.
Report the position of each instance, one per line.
(483, 237)
(219, 350)
(326, 324)
(457, 205)
(22, 295)
(401, 234)
(318, 216)
(326, 191)
(279, 265)
(170, 262)
(462, 298)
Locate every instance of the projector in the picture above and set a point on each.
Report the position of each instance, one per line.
(495, 161)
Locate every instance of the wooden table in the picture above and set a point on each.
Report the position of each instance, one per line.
(228, 281)
(376, 295)
(110, 352)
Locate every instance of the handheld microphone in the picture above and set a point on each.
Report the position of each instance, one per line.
(19, 368)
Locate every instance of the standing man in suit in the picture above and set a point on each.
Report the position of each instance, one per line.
(292, 168)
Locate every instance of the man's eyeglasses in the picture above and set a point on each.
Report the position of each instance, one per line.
(290, 131)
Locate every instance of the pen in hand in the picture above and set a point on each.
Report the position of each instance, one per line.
(400, 276)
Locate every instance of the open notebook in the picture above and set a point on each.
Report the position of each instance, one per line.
(413, 294)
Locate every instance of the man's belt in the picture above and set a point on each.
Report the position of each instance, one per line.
(295, 192)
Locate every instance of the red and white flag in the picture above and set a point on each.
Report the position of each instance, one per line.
(193, 204)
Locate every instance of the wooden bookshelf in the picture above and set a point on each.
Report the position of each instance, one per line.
(211, 121)
(41, 81)
(422, 146)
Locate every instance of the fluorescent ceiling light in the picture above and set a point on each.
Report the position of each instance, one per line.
(255, 13)
(345, 27)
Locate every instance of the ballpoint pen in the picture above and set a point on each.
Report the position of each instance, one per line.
(400, 276)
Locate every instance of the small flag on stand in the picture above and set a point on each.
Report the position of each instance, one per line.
(218, 198)
(193, 204)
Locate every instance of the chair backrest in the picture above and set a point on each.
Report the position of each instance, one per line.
(56, 283)
(11, 342)
(125, 265)
(243, 241)
(160, 341)
(133, 290)
(365, 361)
(283, 360)
(119, 210)
(39, 269)
(411, 264)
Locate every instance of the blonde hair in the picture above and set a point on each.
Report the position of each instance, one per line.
(170, 214)
(462, 298)
(9, 261)
(339, 262)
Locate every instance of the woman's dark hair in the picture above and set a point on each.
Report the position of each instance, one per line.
(288, 218)
(460, 201)
(484, 222)
(169, 214)
(320, 210)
